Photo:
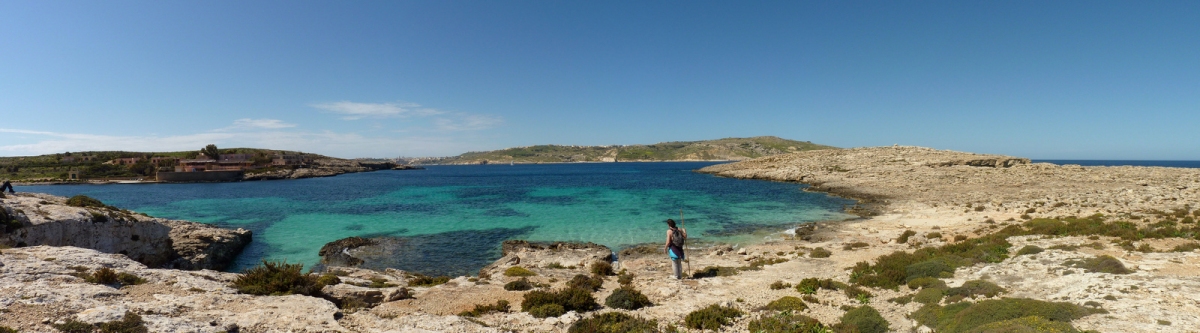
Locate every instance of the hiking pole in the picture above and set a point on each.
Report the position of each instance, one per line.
(683, 225)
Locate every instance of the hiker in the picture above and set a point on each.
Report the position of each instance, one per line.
(675, 238)
(7, 185)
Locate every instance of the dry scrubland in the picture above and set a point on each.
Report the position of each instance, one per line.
(949, 241)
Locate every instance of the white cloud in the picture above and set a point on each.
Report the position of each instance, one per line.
(355, 111)
(468, 122)
(261, 123)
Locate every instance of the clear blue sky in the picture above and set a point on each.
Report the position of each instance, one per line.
(1040, 79)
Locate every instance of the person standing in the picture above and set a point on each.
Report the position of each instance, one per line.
(675, 240)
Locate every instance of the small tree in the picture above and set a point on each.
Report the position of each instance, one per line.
(211, 152)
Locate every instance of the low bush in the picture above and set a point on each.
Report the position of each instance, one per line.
(810, 298)
(627, 298)
(785, 322)
(904, 236)
(786, 303)
(1027, 324)
(602, 268)
(965, 316)
(131, 323)
(1101, 264)
(414, 279)
(6, 329)
(928, 268)
(975, 288)
(555, 265)
(959, 238)
(777, 285)
(863, 319)
(901, 299)
(479, 310)
(820, 252)
(929, 296)
(590, 283)
(329, 279)
(518, 271)
(276, 279)
(1188, 247)
(518, 285)
(624, 278)
(569, 299)
(714, 271)
(857, 293)
(8, 223)
(108, 276)
(757, 264)
(86, 201)
(417, 280)
(855, 245)
(1030, 249)
(926, 282)
(614, 322)
(890, 271)
(547, 310)
(711, 318)
(74, 326)
(933, 235)
(811, 285)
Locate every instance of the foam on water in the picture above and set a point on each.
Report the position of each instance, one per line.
(453, 217)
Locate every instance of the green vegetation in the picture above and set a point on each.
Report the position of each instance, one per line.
(624, 278)
(92, 165)
(8, 223)
(602, 268)
(757, 264)
(6, 329)
(589, 283)
(855, 245)
(1029, 249)
(627, 298)
(777, 285)
(329, 279)
(721, 149)
(420, 280)
(86, 202)
(543, 304)
(715, 271)
(904, 236)
(711, 318)
(786, 322)
(929, 295)
(277, 279)
(863, 319)
(975, 288)
(820, 252)
(810, 286)
(555, 265)
(518, 285)
(965, 316)
(926, 282)
(1027, 324)
(74, 326)
(518, 271)
(131, 323)
(479, 310)
(108, 276)
(786, 303)
(614, 322)
(1101, 264)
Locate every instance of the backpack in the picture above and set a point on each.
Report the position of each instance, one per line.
(677, 238)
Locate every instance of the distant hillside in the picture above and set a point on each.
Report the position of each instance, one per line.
(729, 149)
(91, 164)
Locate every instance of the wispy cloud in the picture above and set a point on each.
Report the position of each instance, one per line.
(468, 122)
(355, 111)
(261, 123)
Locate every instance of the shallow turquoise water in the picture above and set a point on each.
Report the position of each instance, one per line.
(459, 214)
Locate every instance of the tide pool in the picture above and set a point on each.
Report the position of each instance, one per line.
(453, 218)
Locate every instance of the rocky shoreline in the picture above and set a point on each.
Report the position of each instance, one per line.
(910, 198)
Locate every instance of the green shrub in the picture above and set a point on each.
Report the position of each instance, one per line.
(810, 298)
(785, 322)
(975, 288)
(965, 316)
(74, 326)
(6, 329)
(926, 282)
(555, 265)
(855, 245)
(787, 303)
(277, 279)
(131, 323)
(777, 285)
(904, 236)
(820, 252)
(614, 322)
(602, 268)
(329, 279)
(569, 299)
(624, 278)
(928, 268)
(933, 235)
(590, 283)
(417, 280)
(518, 271)
(547, 310)
(757, 264)
(1030, 249)
(811, 285)
(901, 299)
(711, 318)
(104, 275)
(479, 310)
(127, 279)
(863, 319)
(890, 271)
(1187, 247)
(856, 292)
(627, 298)
(8, 223)
(1100, 264)
(518, 285)
(86, 201)
(929, 296)
(1027, 324)
(714, 271)
(959, 238)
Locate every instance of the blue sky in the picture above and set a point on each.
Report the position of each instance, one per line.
(1063, 79)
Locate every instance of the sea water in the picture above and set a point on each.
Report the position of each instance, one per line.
(453, 218)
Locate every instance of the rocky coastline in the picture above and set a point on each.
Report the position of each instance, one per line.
(911, 199)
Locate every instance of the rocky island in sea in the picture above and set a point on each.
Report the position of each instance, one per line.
(948, 241)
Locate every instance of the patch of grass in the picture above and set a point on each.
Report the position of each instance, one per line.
(130, 323)
(965, 316)
(1030, 249)
(787, 303)
(590, 283)
(902, 300)
(810, 286)
(857, 293)
(959, 238)
(602, 268)
(6, 329)
(975, 288)
(1100, 264)
(329, 279)
(929, 296)
(86, 202)
(538, 303)
(518, 271)
(555, 265)
(480, 309)
(863, 319)
(892, 270)
(8, 223)
(1188, 247)
(777, 285)
(518, 285)
(926, 282)
(810, 298)
(711, 317)
(614, 322)
(757, 264)
(928, 268)
(627, 298)
(108, 276)
(714, 271)
(624, 278)
(74, 326)
(820, 252)
(277, 279)
(785, 322)
(855, 245)
(416, 280)
(1163, 322)
(904, 236)
(1027, 324)
(933, 235)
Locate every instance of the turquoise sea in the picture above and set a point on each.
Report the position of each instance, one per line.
(453, 218)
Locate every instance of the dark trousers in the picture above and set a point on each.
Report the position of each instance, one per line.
(7, 186)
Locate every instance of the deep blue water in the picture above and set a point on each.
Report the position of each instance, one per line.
(454, 217)
(1172, 164)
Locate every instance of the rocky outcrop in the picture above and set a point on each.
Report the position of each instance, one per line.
(319, 168)
(541, 254)
(155, 242)
(337, 253)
